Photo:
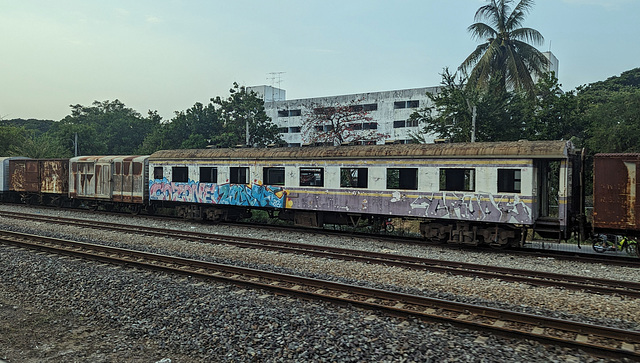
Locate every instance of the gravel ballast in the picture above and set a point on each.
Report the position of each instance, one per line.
(102, 313)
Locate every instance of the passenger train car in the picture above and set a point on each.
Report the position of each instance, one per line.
(469, 193)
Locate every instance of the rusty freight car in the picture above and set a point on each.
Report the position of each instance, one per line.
(40, 181)
(109, 181)
(616, 208)
(5, 178)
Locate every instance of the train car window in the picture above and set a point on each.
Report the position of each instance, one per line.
(239, 176)
(273, 176)
(126, 168)
(311, 177)
(353, 177)
(208, 174)
(137, 168)
(180, 174)
(158, 172)
(402, 178)
(455, 179)
(509, 180)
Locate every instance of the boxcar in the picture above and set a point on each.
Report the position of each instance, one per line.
(109, 180)
(41, 181)
(5, 178)
(616, 207)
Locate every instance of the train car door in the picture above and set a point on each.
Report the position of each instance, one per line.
(104, 180)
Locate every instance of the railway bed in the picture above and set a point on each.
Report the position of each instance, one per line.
(536, 278)
(599, 340)
(534, 249)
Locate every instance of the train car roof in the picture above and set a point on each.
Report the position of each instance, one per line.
(109, 158)
(511, 149)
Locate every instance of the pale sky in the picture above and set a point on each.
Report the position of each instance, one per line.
(166, 55)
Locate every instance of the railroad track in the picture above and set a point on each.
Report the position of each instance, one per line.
(610, 259)
(598, 340)
(534, 278)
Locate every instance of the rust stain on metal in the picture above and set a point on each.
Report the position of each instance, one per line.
(615, 194)
(116, 178)
(49, 176)
(532, 149)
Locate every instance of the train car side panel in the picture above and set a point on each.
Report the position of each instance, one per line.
(615, 193)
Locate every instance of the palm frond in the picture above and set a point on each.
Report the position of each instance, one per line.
(528, 35)
(481, 31)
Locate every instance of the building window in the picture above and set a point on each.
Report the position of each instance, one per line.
(294, 144)
(463, 180)
(402, 178)
(413, 104)
(356, 126)
(319, 128)
(158, 172)
(208, 174)
(412, 123)
(353, 177)
(311, 177)
(283, 130)
(180, 174)
(509, 180)
(370, 107)
(406, 104)
(370, 126)
(273, 176)
(239, 176)
(400, 104)
(287, 113)
(398, 124)
(356, 108)
(294, 130)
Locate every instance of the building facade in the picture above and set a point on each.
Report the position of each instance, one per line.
(389, 111)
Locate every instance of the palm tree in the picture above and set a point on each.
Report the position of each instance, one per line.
(506, 56)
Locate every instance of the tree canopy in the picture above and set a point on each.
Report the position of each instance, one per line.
(505, 54)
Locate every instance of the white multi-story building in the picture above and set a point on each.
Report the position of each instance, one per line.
(389, 110)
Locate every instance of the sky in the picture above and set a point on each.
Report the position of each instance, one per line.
(166, 55)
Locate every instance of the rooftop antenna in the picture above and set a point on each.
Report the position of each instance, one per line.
(275, 77)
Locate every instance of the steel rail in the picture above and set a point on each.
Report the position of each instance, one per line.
(599, 340)
(534, 278)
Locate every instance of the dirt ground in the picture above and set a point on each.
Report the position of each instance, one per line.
(30, 335)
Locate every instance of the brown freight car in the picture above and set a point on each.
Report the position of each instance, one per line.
(616, 208)
(41, 181)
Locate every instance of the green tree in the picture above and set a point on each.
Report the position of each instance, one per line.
(43, 146)
(555, 113)
(614, 125)
(500, 116)
(241, 110)
(506, 54)
(10, 138)
(107, 127)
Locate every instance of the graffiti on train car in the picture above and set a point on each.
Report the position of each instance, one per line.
(254, 195)
(475, 207)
